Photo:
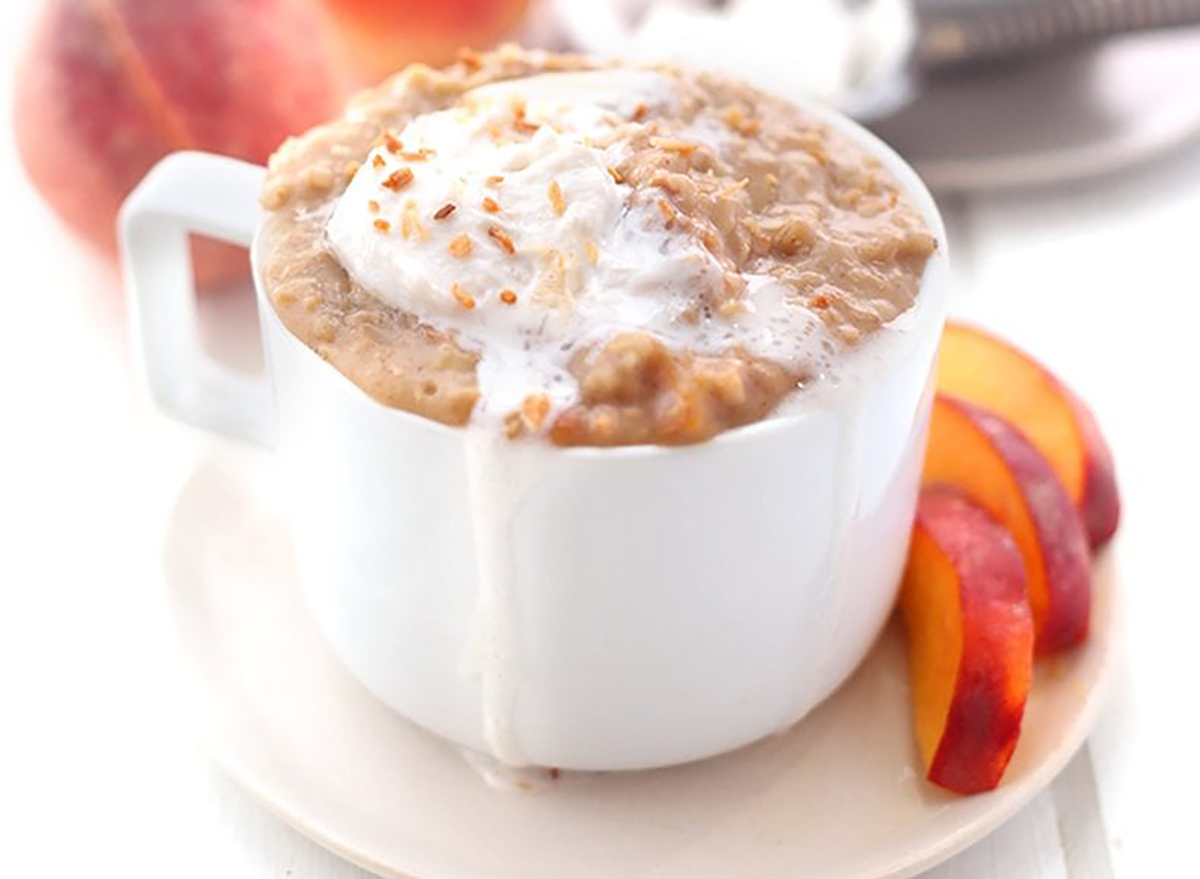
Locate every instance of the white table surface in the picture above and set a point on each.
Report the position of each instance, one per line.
(101, 772)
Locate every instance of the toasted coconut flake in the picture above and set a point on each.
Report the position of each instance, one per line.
(392, 143)
(534, 410)
(616, 175)
(738, 121)
(551, 289)
(383, 225)
(501, 238)
(554, 193)
(520, 123)
(462, 297)
(410, 223)
(674, 145)
(397, 180)
(373, 206)
(424, 154)
(378, 161)
(490, 205)
(460, 246)
(494, 181)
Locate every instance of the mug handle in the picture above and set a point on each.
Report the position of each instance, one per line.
(217, 197)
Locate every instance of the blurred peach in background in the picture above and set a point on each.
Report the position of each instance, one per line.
(105, 88)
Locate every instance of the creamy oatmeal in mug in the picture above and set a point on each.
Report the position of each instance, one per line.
(478, 277)
(604, 254)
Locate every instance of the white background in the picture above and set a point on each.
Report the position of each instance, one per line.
(101, 772)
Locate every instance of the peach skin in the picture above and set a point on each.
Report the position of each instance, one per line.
(381, 36)
(982, 369)
(970, 633)
(105, 88)
(996, 466)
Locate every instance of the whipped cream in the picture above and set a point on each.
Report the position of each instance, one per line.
(500, 222)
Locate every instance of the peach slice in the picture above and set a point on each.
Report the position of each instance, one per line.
(996, 466)
(970, 636)
(977, 367)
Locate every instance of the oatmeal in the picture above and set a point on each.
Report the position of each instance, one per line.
(604, 255)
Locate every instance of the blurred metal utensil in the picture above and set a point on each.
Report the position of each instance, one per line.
(957, 32)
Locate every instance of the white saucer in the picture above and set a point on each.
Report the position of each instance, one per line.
(837, 797)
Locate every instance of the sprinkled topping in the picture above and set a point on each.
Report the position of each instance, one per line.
(737, 120)
(410, 224)
(397, 180)
(679, 239)
(534, 410)
(673, 145)
(462, 297)
(501, 237)
(520, 123)
(554, 193)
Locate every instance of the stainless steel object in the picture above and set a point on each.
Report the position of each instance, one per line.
(957, 32)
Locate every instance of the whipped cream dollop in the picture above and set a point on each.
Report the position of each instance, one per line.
(501, 220)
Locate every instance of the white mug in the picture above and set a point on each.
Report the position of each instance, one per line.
(597, 609)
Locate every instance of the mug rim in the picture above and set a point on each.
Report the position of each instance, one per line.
(889, 341)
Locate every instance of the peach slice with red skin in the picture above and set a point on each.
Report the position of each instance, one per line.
(989, 372)
(992, 462)
(970, 634)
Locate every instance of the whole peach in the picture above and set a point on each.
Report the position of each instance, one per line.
(107, 87)
(381, 36)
